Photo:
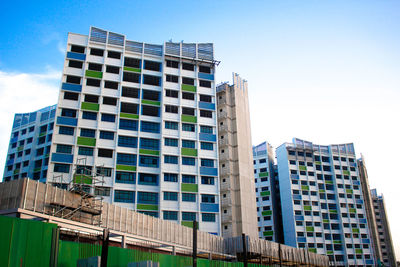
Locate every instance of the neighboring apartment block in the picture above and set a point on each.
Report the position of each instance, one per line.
(29, 148)
(238, 199)
(322, 202)
(267, 206)
(143, 117)
(385, 238)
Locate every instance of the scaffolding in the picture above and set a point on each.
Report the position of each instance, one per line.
(87, 186)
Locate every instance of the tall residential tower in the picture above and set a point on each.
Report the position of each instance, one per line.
(238, 199)
(143, 117)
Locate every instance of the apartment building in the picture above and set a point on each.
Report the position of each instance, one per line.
(29, 146)
(322, 202)
(238, 199)
(142, 116)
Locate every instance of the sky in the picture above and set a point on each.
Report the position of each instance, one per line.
(323, 71)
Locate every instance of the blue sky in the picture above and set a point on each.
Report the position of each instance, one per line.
(324, 71)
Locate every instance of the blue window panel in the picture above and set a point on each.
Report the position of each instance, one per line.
(125, 177)
(71, 87)
(107, 135)
(208, 171)
(147, 198)
(171, 196)
(10, 162)
(209, 207)
(73, 55)
(365, 241)
(207, 137)
(297, 197)
(170, 159)
(14, 139)
(148, 161)
(148, 179)
(363, 220)
(208, 217)
(206, 76)
(371, 262)
(127, 141)
(188, 161)
(88, 133)
(359, 201)
(87, 115)
(171, 142)
(170, 215)
(65, 158)
(150, 127)
(126, 159)
(131, 125)
(148, 143)
(301, 239)
(67, 121)
(108, 117)
(170, 177)
(206, 105)
(299, 218)
(124, 196)
(294, 176)
(356, 182)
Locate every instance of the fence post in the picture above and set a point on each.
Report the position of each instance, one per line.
(244, 243)
(194, 243)
(104, 249)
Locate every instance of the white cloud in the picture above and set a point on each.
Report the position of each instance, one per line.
(22, 93)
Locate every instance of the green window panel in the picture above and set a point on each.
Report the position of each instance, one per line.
(329, 182)
(325, 221)
(318, 163)
(305, 187)
(355, 230)
(42, 134)
(309, 228)
(349, 191)
(82, 179)
(307, 207)
(329, 252)
(132, 69)
(266, 212)
(128, 115)
(189, 224)
(188, 118)
(86, 141)
(189, 188)
(90, 106)
(20, 148)
(149, 152)
(268, 233)
(150, 102)
(16, 171)
(346, 172)
(337, 242)
(125, 168)
(332, 211)
(359, 251)
(352, 210)
(146, 207)
(314, 250)
(263, 174)
(322, 190)
(265, 193)
(302, 168)
(189, 152)
(188, 88)
(94, 74)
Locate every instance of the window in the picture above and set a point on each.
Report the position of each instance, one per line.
(85, 151)
(112, 69)
(207, 198)
(95, 67)
(93, 82)
(131, 125)
(102, 191)
(96, 52)
(207, 180)
(148, 161)
(105, 153)
(188, 161)
(131, 77)
(206, 129)
(150, 95)
(147, 198)
(171, 142)
(171, 109)
(171, 78)
(188, 96)
(208, 217)
(172, 64)
(114, 54)
(205, 83)
(127, 141)
(107, 135)
(102, 171)
(151, 80)
(71, 96)
(66, 130)
(188, 81)
(172, 196)
(207, 146)
(66, 112)
(148, 179)
(109, 101)
(205, 113)
(170, 177)
(108, 117)
(75, 64)
(171, 93)
(171, 125)
(111, 85)
(126, 159)
(204, 69)
(130, 92)
(152, 65)
(188, 216)
(187, 66)
(169, 159)
(64, 168)
(124, 196)
(147, 143)
(188, 179)
(125, 177)
(150, 111)
(188, 111)
(88, 132)
(78, 49)
(89, 115)
(65, 149)
(207, 162)
(188, 127)
(73, 79)
(150, 127)
(188, 144)
(170, 215)
(132, 62)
